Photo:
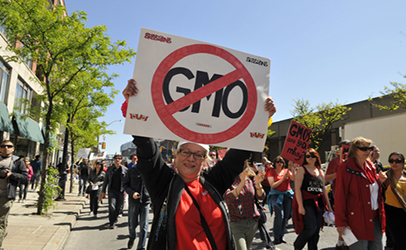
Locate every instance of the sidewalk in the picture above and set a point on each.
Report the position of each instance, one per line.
(29, 231)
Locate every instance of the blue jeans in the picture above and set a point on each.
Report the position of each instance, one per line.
(116, 200)
(133, 211)
(370, 245)
(312, 224)
(282, 212)
(82, 183)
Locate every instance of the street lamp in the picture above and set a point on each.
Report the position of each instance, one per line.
(120, 121)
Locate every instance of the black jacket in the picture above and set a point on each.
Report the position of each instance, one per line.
(133, 183)
(18, 175)
(109, 176)
(95, 178)
(158, 176)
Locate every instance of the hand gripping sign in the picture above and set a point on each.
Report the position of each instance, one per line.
(195, 91)
(296, 143)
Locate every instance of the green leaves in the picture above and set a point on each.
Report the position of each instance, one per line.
(319, 118)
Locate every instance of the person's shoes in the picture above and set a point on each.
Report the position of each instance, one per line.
(283, 240)
(83, 194)
(342, 247)
(19, 200)
(277, 241)
(130, 243)
(90, 213)
(95, 215)
(24, 201)
(265, 208)
(120, 215)
(78, 194)
(108, 226)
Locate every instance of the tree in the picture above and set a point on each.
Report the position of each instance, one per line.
(63, 48)
(398, 93)
(319, 119)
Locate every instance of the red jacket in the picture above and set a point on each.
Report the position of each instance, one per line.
(353, 201)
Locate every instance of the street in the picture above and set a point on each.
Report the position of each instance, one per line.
(89, 233)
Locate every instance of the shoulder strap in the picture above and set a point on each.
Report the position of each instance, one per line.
(203, 221)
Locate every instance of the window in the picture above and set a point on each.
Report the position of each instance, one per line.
(4, 82)
(22, 97)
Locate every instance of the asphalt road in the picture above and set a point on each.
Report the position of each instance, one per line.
(89, 233)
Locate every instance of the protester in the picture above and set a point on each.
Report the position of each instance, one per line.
(12, 172)
(36, 168)
(395, 203)
(96, 179)
(244, 214)
(280, 197)
(114, 184)
(83, 171)
(266, 166)
(331, 174)
(310, 201)
(24, 185)
(138, 206)
(358, 197)
(178, 215)
(133, 162)
(375, 159)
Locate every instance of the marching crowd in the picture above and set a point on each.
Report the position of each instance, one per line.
(199, 202)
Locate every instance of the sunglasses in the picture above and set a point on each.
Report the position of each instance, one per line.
(365, 148)
(311, 156)
(117, 158)
(278, 161)
(6, 146)
(397, 161)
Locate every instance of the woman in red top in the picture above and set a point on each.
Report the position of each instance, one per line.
(358, 197)
(280, 197)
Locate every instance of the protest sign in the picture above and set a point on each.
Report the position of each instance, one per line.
(199, 92)
(83, 153)
(345, 149)
(98, 156)
(296, 143)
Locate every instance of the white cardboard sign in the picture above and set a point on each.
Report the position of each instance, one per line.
(200, 92)
(83, 153)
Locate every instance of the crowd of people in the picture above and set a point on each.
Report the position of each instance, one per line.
(200, 202)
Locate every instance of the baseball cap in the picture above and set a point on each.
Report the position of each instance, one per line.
(135, 157)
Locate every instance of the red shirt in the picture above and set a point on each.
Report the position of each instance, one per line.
(285, 185)
(332, 168)
(189, 230)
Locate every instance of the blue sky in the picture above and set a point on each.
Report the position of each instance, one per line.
(320, 51)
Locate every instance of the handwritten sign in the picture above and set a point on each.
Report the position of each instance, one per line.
(200, 92)
(297, 141)
(345, 149)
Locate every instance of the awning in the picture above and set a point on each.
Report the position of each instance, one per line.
(5, 122)
(28, 128)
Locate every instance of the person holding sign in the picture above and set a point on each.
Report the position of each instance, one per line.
(310, 201)
(280, 197)
(359, 204)
(189, 211)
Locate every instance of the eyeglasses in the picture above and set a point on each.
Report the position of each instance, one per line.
(6, 146)
(197, 156)
(365, 148)
(118, 158)
(278, 161)
(397, 161)
(311, 156)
